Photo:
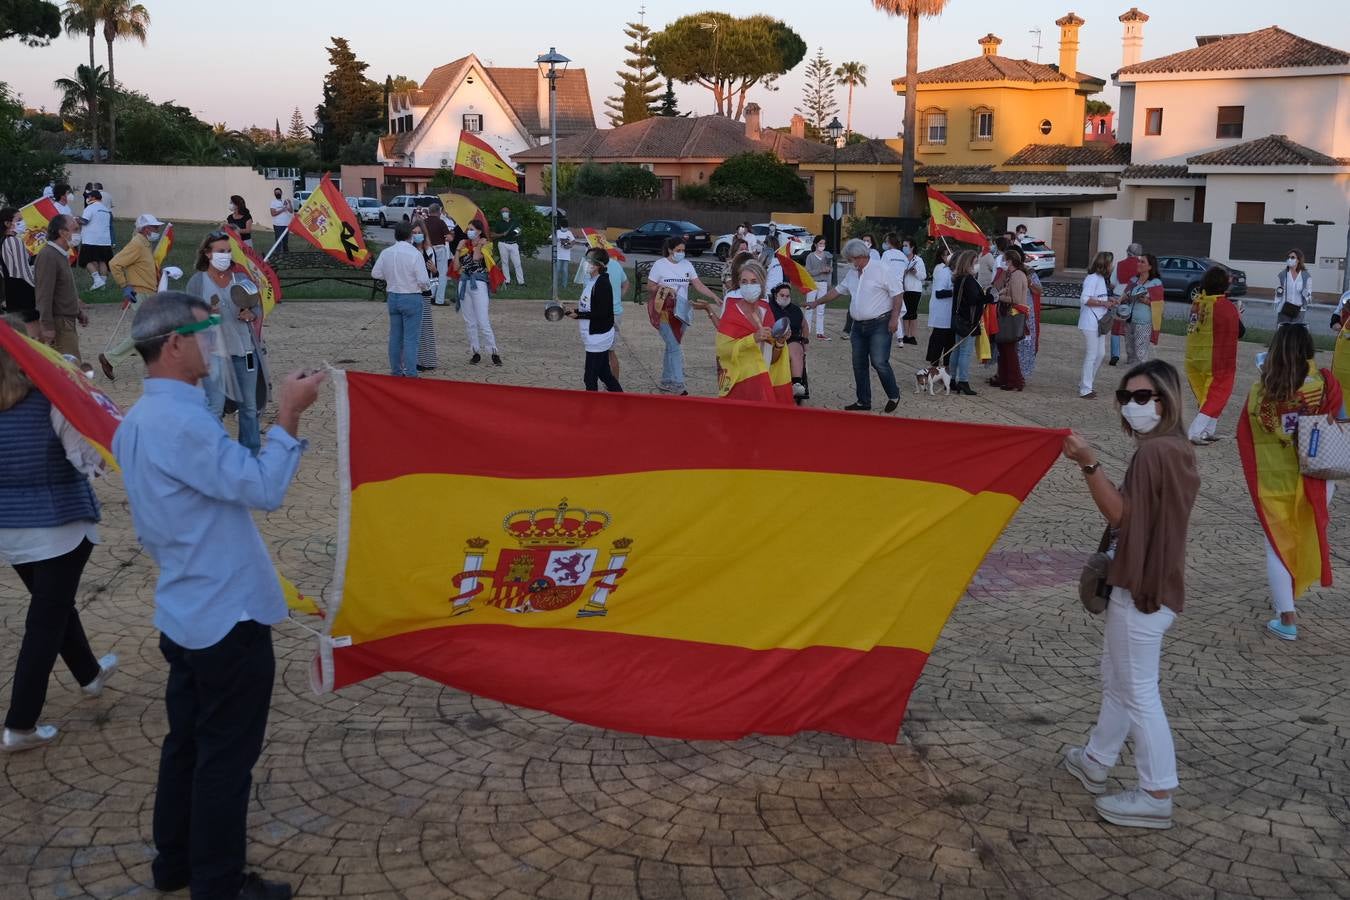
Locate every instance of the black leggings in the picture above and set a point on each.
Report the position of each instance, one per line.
(598, 370)
(53, 629)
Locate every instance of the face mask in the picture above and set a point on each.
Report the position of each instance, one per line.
(677, 256)
(908, 251)
(751, 292)
(277, 195)
(1292, 261)
(417, 238)
(783, 298)
(75, 240)
(233, 208)
(1142, 419)
(820, 248)
(594, 270)
(221, 262)
(869, 244)
(506, 215)
(153, 236)
(472, 233)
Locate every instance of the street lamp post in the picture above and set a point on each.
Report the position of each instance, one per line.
(552, 65)
(835, 130)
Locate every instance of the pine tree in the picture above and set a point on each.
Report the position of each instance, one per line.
(277, 132)
(639, 85)
(669, 105)
(351, 101)
(297, 131)
(818, 103)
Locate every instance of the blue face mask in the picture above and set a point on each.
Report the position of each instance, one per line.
(677, 256)
(417, 238)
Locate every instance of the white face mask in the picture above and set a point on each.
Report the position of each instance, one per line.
(782, 298)
(1142, 419)
(221, 262)
(1292, 261)
(472, 233)
(506, 215)
(751, 292)
(677, 256)
(75, 239)
(233, 208)
(153, 236)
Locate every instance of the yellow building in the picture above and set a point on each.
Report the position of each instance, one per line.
(869, 180)
(981, 111)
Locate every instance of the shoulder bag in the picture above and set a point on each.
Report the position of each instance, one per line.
(1012, 326)
(962, 323)
(1093, 591)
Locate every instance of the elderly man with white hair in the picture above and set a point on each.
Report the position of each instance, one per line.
(876, 298)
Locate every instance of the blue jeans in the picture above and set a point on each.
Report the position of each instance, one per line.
(560, 273)
(1115, 346)
(962, 358)
(871, 342)
(249, 435)
(672, 364)
(405, 329)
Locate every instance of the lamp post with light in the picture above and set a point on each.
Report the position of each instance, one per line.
(835, 130)
(552, 65)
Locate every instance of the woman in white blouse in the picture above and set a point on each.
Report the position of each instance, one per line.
(941, 338)
(1293, 290)
(1094, 321)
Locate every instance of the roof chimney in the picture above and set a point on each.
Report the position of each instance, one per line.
(752, 121)
(1068, 45)
(1134, 36)
(989, 43)
(798, 127)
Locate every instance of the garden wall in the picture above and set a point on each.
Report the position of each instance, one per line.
(181, 193)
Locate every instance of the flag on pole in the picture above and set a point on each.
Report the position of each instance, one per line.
(596, 239)
(327, 222)
(947, 219)
(476, 159)
(1211, 352)
(259, 272)
(794, 271)
(36, 216)
(646, 594)
(164, 246)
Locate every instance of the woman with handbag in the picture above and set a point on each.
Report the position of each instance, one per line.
(1147, 519)
(1014, 308)
(1292, 507)
(968, 303)
(1094, 321)
(1293, 289)
(1211, 353)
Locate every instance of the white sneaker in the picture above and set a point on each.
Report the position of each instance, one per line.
(17, 741)
(107, 666)
(1136, 809)
(1087, 770)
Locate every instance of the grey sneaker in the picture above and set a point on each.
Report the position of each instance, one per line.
(1091, 773)
(107, 666)
(1136, 809)
(17, 741)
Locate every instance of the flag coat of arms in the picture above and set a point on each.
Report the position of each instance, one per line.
(327, 222)
(1211, 352)
(36, 216)
(618, 586)
(947, 219)
(476, 159)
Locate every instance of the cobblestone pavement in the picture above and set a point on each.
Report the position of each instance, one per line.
(399, 787)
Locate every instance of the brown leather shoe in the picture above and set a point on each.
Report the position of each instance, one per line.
(107, 366)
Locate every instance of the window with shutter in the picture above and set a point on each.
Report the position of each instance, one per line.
(1230, 122)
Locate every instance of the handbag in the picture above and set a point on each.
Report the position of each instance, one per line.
(1323, 448)
(962, 323)
(1093, 591)
(1290, 310)
(1104, 323)
(1012, 327)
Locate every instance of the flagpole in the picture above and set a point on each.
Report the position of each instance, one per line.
(277, 243)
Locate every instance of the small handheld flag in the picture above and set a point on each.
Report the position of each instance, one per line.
(464, 211)
(794, 271)
(327, 222)
(36, 217)
(947, 219)
(164, 246)
(496, 277)
(596, 239)
(477, 160)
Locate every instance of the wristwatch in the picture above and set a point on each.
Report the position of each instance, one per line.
(1088, 470)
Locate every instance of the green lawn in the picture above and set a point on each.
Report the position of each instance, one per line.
(1178, 327)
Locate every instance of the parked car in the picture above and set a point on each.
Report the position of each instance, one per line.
(367, 209)
(1040, 258)
(1181, 276)
(400, 208)
(797, 236)
(299, 199)
(650, 237)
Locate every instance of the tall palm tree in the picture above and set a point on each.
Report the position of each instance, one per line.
(81, 17)
(849, 75)
(121, 19)
(80, 95)
(912, 10)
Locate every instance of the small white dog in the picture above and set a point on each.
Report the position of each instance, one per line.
(930, 377)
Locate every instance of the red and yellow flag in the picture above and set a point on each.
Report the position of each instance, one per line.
(1340, 357)
(327, 222)
(642, 593)
(1292, 509)
(1211, 352)
(465, 212)
(496, 277)
(746, 369)
(36, 217)
(476, 159)
(596, 238)
(164, 246)
(793, 271)
(947, 219)
(269, 286)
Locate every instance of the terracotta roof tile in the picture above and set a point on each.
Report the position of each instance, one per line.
(521, 89)
(1269, 48)
(1146, 172)
(1272, 150)
(988, 175)
(1090, 154)
(997, 68)
(659, 137)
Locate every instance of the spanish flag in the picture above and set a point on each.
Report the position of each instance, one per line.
(269, 286)
(464, 212)
(1292, 509)
(477, 160)
(746, 369)
(1340, 357)
(327, 222)
(1211, 352)
(496, 277)
(947, 219)
(626, 588)
(164, 245)
(794, 271)
(596, 239)
(36, 217)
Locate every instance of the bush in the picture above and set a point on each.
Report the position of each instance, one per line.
(729, 195)
(27, 166)
(618, 180)
(693, 193)
(763, 177)
(591, 180)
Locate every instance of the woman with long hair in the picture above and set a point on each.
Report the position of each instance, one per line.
(940, 334)
(595, 314)
(1014, 301)
(48, 528)
(1293, 289)
(1094, 321)
(1292, 508)
(670, 310)
(16, 267)
(1030, 345)
(968, 303)
(1145, 301)
(818, 264)
(1147, 519)
(1211, 353)
(473, 294)
(751, 361)
(240, 219)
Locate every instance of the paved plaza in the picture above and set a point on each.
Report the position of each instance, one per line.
(402, 788)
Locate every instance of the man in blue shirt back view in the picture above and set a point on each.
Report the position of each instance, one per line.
(191, 489)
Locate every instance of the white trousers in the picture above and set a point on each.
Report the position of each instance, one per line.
(1278, 579)
(1202, 427)
(511, 256)
(473, 305)
(441, 259)
(818, 314)
(1094, 353)
(1131, 704)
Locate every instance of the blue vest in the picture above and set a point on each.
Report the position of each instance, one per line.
(39, 488)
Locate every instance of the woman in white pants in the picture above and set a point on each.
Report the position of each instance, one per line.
(1147, 519)
(818, 263)
(473, 297)
(1096, 305)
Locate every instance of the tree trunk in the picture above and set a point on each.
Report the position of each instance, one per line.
(112, 106)
(911, 97)
(848, 124)
(93, 100)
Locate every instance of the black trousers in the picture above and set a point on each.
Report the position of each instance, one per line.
(912, 307)
(217, 700)
(281, 234)
(52, 629)
(598, 370)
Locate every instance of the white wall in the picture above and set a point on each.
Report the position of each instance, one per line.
(1313, 111)
(1114, 235)
(181, 193)
(1041, 227)
(442, 139)
(1136, 201)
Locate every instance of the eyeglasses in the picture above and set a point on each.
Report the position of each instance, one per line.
(1140, 397)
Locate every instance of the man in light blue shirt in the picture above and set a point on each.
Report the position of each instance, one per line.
(191, 489)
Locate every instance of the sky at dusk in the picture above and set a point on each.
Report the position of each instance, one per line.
(252, 61)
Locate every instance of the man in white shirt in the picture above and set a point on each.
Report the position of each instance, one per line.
(96, 245)
(283, 213)
(403, 270)
(875, 300)
(61, 197)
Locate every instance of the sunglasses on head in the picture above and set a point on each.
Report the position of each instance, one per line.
(1140, 397)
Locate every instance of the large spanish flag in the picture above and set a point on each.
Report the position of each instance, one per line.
(1292, 509)
(546, 565)
(746, 369)
(258, 271)
(476, 159)
(947, 219)
(327, 222)
(1211, 352)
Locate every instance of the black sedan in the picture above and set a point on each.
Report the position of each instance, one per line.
(1181, 276)
(650, 237)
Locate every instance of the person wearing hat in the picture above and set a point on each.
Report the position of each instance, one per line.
(137, 274)
(508, 246)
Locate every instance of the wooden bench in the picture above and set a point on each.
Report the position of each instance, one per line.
(310, 266)
(710, 273)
